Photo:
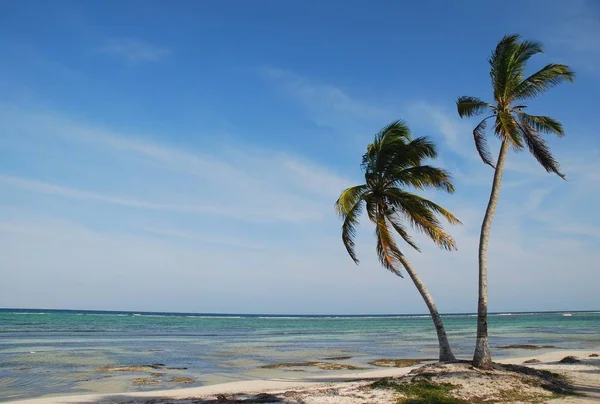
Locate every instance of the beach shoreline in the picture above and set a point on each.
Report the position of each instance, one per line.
(585, 376)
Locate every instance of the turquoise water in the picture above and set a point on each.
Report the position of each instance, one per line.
(46, 352)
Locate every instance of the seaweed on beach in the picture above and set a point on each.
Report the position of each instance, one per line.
(569, 359)
(459, 383)
(420, 391)
(320, 365)
(185, 380)
(130, 368)
(145, 380)
(397, 363)
(262, 398)
(337, 358)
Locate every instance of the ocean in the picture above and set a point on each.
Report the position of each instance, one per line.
(59, 352)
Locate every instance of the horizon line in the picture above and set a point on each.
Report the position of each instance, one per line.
(290, 314)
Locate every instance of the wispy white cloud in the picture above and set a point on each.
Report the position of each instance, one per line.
(135, 50)
(455, 133)
(312, 177)
(253, 185)
(205, 238)
(327, 105)
(536, 197)
(73, 193)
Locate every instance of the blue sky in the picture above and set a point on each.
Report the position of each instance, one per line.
(185, 156)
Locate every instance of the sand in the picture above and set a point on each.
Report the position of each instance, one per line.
(349, 388)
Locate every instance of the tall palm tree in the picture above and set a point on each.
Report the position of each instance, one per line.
(393, 162)
(515, 129)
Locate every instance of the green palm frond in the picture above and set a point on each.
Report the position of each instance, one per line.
(471, 106)
(399, 227)
(396, 194)
(372, 208)
(518, 61)
(541, 81)
(507, 126)
(387, 250)
(540, 150)
(350, 206)
(543, 124)
(421, 214)
(349, 198)
(394, 149)
(500, 64)
(413, 152)
(349, 230)
(422, 177)
(525, 51)
(396, 133)
(481, 143)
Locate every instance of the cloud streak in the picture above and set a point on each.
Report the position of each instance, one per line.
(206, 238)
(249, 185)
(327, 105)
(71, 193)
(135, 50)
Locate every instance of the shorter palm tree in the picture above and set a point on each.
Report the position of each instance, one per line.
(393, 162)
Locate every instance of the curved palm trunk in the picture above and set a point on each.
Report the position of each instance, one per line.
(446, 354)
(482, 357)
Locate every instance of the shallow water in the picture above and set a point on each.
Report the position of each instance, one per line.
(45, 352)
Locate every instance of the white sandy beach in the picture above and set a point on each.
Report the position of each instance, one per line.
(345, 389)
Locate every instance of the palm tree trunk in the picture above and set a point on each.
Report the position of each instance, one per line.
(446, 354)
(482, 357)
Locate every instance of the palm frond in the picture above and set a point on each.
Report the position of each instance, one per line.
(522, 53)
(400, 229)
(410, 154)
(349, 198)
(421, 214)
(387, 251)
(398, 154)
(500, 64)
(541, 81)
(507, 126)
(372, 203)
(526, 50)
(471, 106)
(422, 177)
(449, 216)
(481, 143)
(396, 130)
(543, 124)
(350, 206)
(540, 150)
(386, 140)
(349, 230)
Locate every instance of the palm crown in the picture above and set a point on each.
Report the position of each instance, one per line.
(511, 88)
(394, 161)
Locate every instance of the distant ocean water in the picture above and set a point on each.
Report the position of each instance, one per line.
(57, 352)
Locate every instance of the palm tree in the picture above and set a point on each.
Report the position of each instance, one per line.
(515, 128)
(392, 162)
